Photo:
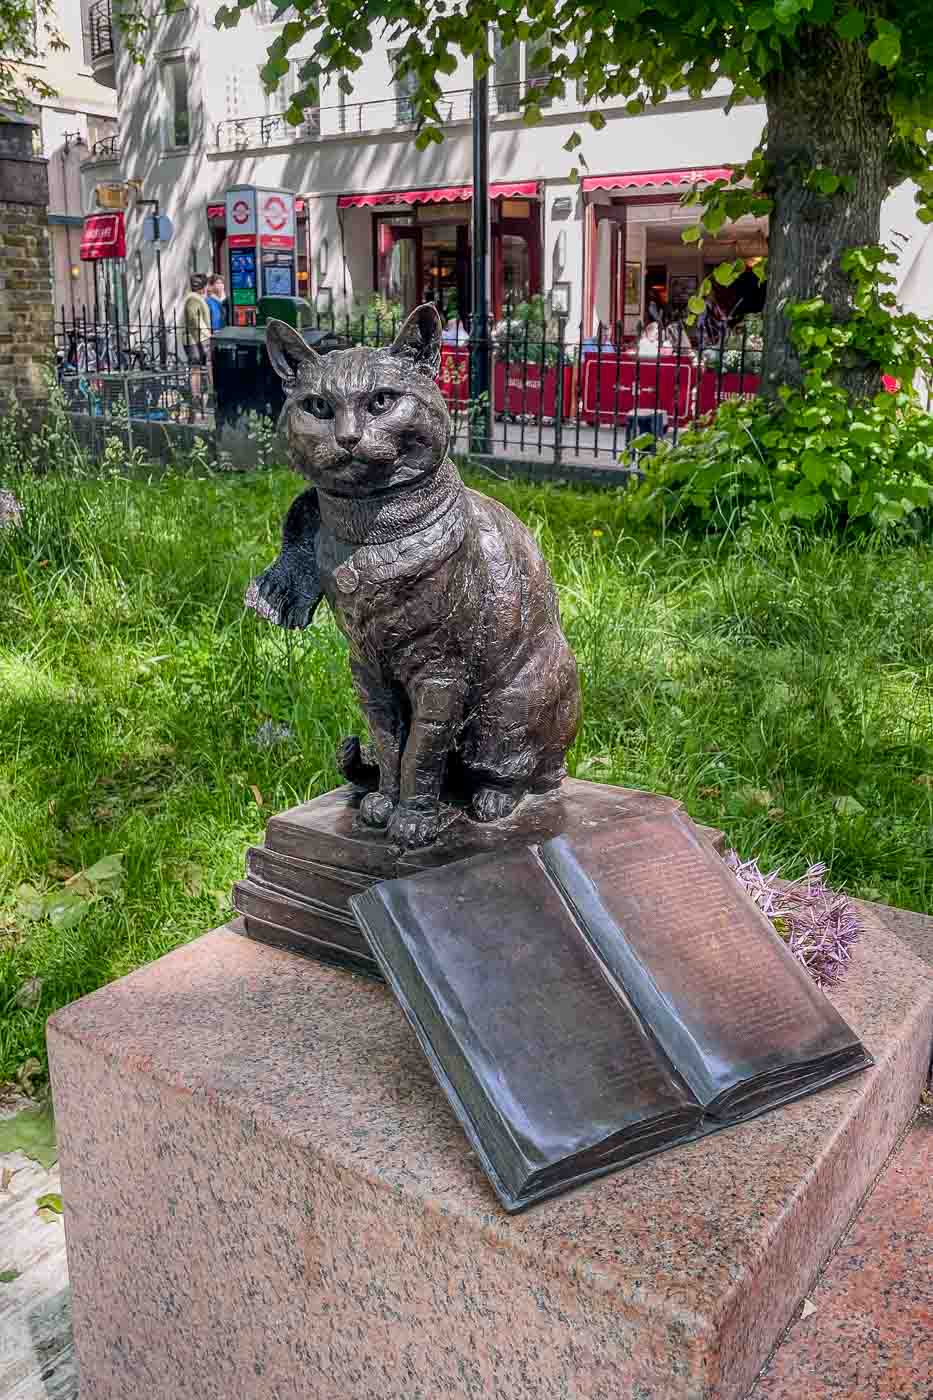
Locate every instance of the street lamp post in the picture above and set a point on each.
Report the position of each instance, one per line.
(480, 422)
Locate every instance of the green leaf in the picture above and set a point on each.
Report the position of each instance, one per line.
(30, 904)
(9, 1275)
(851, 25)
(106, 871)
(31, 1132)
(50, 1201)
(573, 141)
(786, 10)
(692, 234)
(848, 807)
(596, 120)
(66, 909)
(760, 19)
(696, 306)
(886, 50)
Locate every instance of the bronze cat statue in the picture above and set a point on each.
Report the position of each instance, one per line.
(468, 684)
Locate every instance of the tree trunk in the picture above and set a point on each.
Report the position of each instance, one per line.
(826, 109)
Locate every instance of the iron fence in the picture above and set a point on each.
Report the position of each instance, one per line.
(147, 369)
(564, 401)
(560, 403)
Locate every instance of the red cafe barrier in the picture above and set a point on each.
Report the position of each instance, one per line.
(453, 379)
(611, 386)
(715, 390)
(526, 390)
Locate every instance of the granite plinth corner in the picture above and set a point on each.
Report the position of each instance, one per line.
(266, 1194)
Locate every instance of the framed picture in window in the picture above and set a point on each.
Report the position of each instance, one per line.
(633, 288)
(682, 289)
(560, 298)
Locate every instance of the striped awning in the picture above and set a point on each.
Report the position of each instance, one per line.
(442, 194)
(657, 179)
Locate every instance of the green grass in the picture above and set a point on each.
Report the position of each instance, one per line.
(759, 682)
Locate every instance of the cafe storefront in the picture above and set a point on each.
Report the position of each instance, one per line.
(636, 258)
(421, 245)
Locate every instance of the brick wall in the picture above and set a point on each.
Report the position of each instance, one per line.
(26, 346)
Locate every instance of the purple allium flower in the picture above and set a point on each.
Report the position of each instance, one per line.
(11, 512)
(818, 924)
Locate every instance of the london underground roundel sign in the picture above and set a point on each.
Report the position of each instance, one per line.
(275, 212)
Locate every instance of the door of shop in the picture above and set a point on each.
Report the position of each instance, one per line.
(516, 253)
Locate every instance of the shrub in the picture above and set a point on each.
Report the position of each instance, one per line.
(814, 453)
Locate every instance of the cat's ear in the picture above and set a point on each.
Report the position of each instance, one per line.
(419, 340)
(287, 351)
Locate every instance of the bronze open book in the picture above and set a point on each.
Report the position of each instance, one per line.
(584, 1003)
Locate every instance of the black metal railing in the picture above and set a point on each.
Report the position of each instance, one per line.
(349, 118)
(100, 30)
(108, 148)
(109, 364)
(561, 403)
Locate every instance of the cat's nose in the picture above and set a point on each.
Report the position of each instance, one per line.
(347, 433)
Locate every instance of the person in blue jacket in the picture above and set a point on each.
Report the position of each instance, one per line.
(216, 302)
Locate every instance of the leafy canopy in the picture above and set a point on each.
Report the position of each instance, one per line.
(629, 49)
(26, 27)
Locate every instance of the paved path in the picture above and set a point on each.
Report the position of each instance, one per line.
(36, 1356)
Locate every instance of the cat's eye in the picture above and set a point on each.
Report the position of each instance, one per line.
(382, 401)
(319, 406)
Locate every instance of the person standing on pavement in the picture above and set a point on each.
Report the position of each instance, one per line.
(216, 297)
(196, 319)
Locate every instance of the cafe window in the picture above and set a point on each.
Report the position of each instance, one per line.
(177, 128)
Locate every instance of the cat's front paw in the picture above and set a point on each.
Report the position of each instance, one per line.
(493, 804)
(415, 823)
(277, 597)
(376, 810)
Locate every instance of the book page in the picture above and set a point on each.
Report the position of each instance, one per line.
(717, 972)
(544, 1035)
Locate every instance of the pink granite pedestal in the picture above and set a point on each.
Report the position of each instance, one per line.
(266, 1195)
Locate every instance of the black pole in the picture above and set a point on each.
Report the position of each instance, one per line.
(153, 204)
(479, 322)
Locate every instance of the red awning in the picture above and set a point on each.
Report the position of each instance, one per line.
(448, 194)
(104, 236)
(663, 179)
(517, 189)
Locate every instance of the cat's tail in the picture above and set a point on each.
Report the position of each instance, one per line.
(357, 764)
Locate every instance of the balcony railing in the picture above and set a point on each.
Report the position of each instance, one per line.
(351, 118)
(100, 30)
(106, 149)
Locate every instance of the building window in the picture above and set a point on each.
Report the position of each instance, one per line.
(405, 89)
(519, 66)
(177, 108)
(275, 12)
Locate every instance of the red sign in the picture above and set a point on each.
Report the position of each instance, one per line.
(241, 212)
(241, 240)
(104, 236)
(275, 211)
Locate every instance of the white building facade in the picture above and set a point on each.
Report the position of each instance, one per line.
(80, 117)
(376, 216)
